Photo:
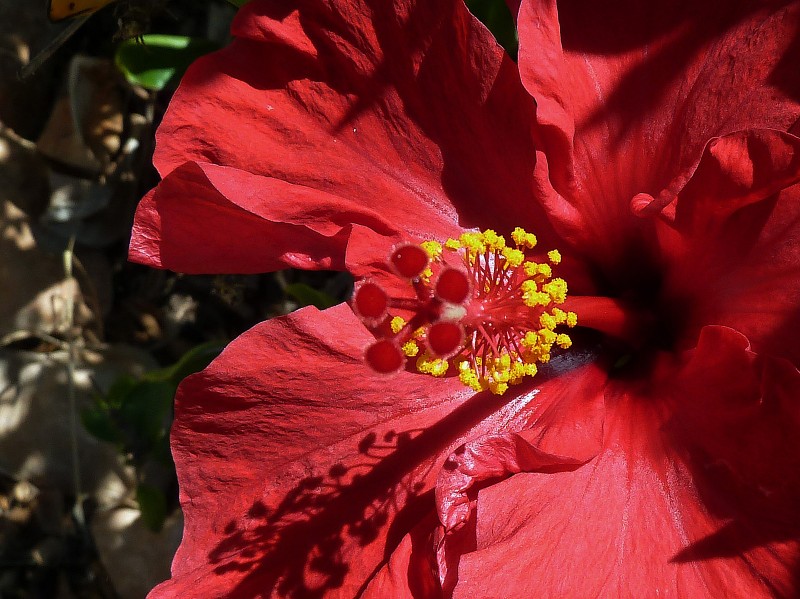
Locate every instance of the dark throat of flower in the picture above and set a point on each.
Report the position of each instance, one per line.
(490, 310)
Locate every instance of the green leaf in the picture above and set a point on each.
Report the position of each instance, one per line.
(159, 61)
(135, 414)
(119, 390)
(192, 361)
(308, 296)
(152, 505)
(146, 410)
(497, 18)
(98, 422)
(238, 3)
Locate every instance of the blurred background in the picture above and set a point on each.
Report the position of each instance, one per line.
(92, 347)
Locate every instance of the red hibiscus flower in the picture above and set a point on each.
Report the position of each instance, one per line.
(651, 144)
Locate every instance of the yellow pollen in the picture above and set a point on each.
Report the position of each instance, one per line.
(547, 321)
(547, 337)
(557, 290)
(522, 238)
(472, 242)
(427, 364)
(510, 324)
(397, 323)
(498, 388)
(563, 341)
(513, 257)
(432, 248)
(410, 348)
(540, 271)
(493, 241)
(536, 299)
(469, 377)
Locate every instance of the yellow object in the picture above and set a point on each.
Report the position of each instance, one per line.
(410, 348)
(496, 352)
(58, 10)
(432, 248)
(397, 323)
(427, 364)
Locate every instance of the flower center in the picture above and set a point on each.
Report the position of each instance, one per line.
(476, 303)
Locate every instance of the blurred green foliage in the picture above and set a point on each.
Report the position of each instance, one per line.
(135, 415)
(497, 18)
(305, 295)
(158, 61)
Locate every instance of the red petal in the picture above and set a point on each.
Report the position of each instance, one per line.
(562, 430)
(300, 470)
(651, 515)
(409, 110)
(738, 262)
(741, 441)
(734, 171)
(409, 572)
(629, 93)
(205, 218)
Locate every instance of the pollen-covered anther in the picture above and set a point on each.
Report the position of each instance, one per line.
(481, 304)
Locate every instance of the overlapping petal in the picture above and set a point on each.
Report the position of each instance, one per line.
(737, 261)
(410, 110)
(629, 93)
(254, 222)
(303, 473)
(649, 516)
(298, 467)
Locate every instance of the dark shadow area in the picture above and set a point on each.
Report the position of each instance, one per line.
(298, 547)
(758, 523)
(739, 441)
(691, 25)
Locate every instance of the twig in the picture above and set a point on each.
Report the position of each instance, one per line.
(78, 514)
